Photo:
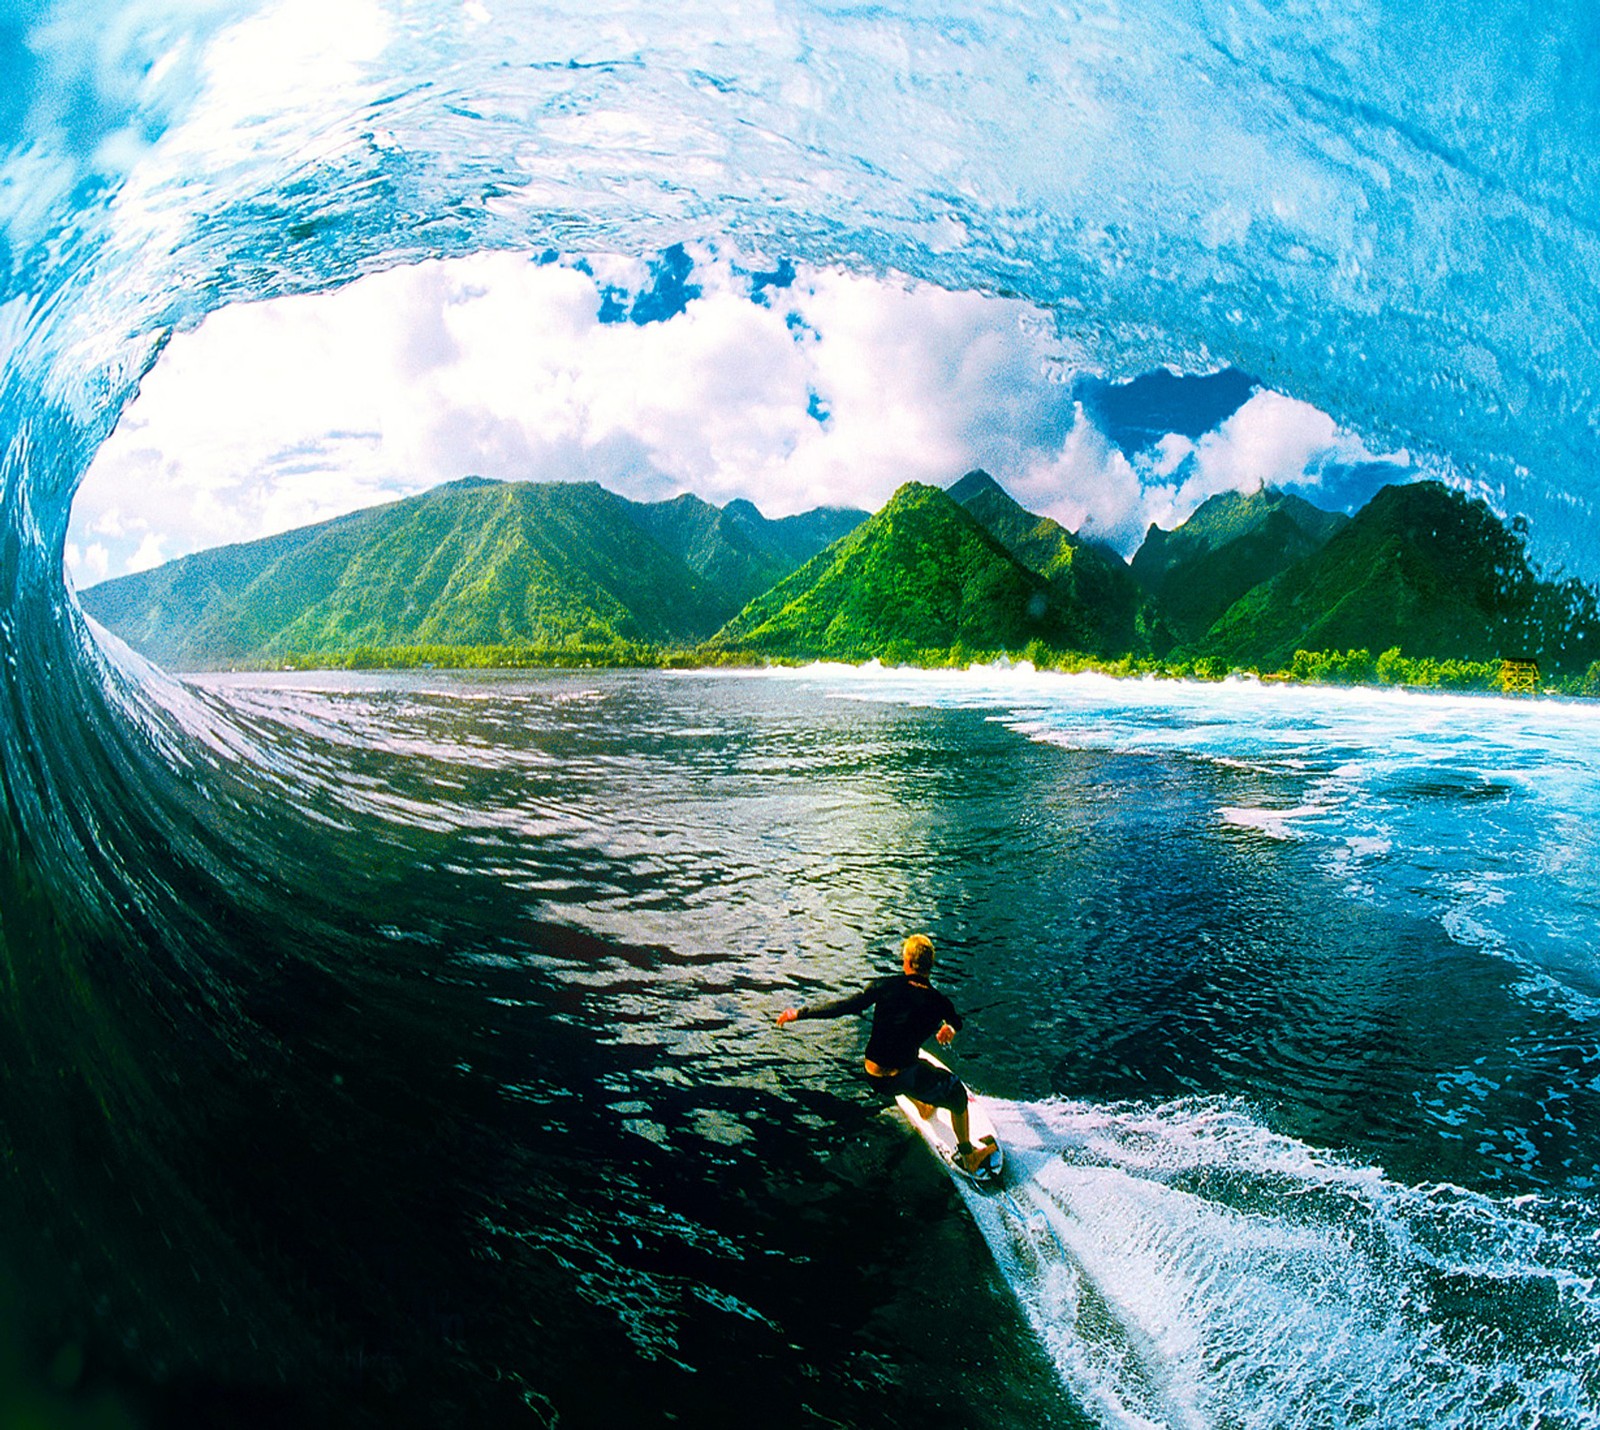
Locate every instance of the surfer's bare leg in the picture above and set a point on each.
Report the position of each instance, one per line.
(971, 1157)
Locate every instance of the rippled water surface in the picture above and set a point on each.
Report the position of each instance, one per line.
(1285, 1000)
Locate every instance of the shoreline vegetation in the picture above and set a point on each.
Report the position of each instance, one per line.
(1386, 670)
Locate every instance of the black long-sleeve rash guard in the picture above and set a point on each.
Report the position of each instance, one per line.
(905, 1015)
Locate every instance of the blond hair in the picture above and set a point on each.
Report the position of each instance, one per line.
(918, 950)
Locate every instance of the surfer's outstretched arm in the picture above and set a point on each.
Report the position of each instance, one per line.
(857, 1002)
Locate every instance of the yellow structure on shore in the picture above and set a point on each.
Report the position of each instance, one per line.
(1519, 677)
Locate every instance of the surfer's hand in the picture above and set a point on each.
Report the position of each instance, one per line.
(788, 1016)
(945, 1034)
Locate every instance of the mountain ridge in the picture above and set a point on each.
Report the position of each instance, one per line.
(1109, 614)
(1422, 569)
(1232, 542)
(549, 567)
(920, 574)
(473, 561)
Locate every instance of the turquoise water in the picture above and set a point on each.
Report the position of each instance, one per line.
(1300, 1090)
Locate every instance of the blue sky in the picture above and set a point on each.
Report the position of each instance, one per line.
(698, 369)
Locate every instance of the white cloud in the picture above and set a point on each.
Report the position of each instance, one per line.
(1087, 485)
(87, 564)
(920, 384)
(834, 391)
(149, 554)
(1170, 453)
(277, 414)
(1272, 440)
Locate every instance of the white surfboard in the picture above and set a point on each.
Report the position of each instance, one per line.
(939, 1135)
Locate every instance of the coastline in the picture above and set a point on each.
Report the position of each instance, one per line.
(1357, 668)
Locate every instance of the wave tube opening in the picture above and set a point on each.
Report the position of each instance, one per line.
(201, 947)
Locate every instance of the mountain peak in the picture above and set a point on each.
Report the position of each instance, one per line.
(1100, 602)
(975, 483)
(1232, 542)
(913, 494)
(1226, 515)
(921, 574)
(687, 501)
(1421, 568)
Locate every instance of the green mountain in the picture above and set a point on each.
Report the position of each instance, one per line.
(1231, 543)
(922, 574)
(735, 550)
(794, 539)
(158, 611)
(1420, 568)
(1102, 606)
(714, 547)
(470, 563)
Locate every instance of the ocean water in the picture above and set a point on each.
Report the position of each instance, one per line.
(1278, 995)
(399, 1050)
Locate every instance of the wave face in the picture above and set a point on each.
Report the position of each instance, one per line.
(1391, 214)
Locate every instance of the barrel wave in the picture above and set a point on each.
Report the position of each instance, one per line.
(373, 1054)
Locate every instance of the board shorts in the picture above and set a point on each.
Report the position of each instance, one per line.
(922, 1082)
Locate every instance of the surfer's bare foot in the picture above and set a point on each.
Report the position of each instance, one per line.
(925, 1110)
(973, 1158)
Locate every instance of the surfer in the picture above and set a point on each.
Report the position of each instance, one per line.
(906, 1010)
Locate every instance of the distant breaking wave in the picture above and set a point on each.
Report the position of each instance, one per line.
(1474, 808)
